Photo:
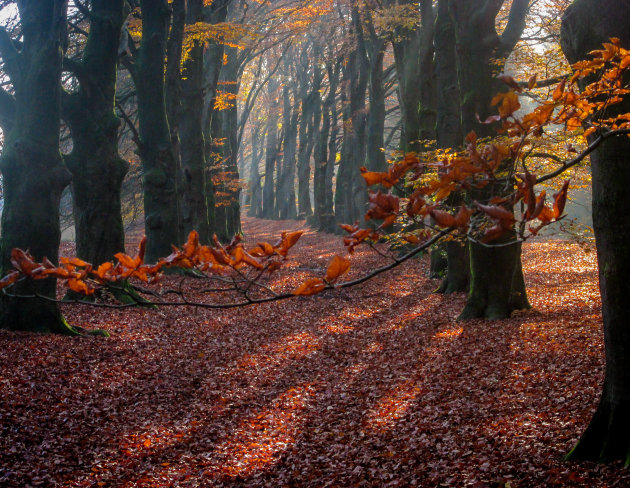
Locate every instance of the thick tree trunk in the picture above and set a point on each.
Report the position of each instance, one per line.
(448, 135)
(96, 166)
(32, 168)
(585, 26)
(413, 54)
(351, 192)
(306, 140)
(480, 53)
(231, 85)
(194, 209)
(375, 160)
(155, 146)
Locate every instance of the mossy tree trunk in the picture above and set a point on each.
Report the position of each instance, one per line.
(481, 53)
(585, 26)
(159, 162)
(96, 166)
(33, 172)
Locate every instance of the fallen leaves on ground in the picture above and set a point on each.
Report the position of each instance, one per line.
(377, 385)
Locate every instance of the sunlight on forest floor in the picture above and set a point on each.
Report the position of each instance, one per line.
(367, 386)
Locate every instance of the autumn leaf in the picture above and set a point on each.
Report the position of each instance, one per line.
(79, 286)
(9, 279)
(557, 93)
(141, 249)
(126, 261)
(560, 200)
(310, 287)
(442, 218)
(337, 267)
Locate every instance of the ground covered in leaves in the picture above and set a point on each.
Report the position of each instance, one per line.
(376, 385)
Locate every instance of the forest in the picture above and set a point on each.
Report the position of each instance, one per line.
(295, 243)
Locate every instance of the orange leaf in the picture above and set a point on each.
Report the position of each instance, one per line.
(557, 93)
(560, 200)
(141, 249)
(337, 267)
(191, 244)
(126, 261)
(9, 279)
(372, 177)
(79, 286)
(103, 269)
(532, 82)
(497, 213)
(74, 262)
(310, 287)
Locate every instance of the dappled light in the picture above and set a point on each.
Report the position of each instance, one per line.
(296, 392)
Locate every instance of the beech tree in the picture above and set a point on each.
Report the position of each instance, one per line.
(585, 26)
(96, 166)
(33, 172)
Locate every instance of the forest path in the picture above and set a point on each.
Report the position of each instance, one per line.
(376, 385)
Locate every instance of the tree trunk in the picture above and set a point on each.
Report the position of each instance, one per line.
(214, 13)
(193, 162)
(32, 168)
(448, 134)
(255, 199)
(585, 26)
(480, 53)
(155, 146)
(271, 153)
(413, 54)
(351, 191)
(96, 166)
(286, 194)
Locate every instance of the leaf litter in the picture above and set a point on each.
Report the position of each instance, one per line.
(376, 385)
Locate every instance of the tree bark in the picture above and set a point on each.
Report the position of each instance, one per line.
(286, 194)
(96, 166)
(194, 207)
(351, 191)
(448, 134)
(585, 26)
(480, 53)
(271, 152)
(33, 172)
(159, 164)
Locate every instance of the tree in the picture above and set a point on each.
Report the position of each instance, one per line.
(585, 26)
(34, 175)
(159, 163)
(497, 286)
(96, 166)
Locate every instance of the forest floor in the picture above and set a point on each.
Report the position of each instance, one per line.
(376, 385)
